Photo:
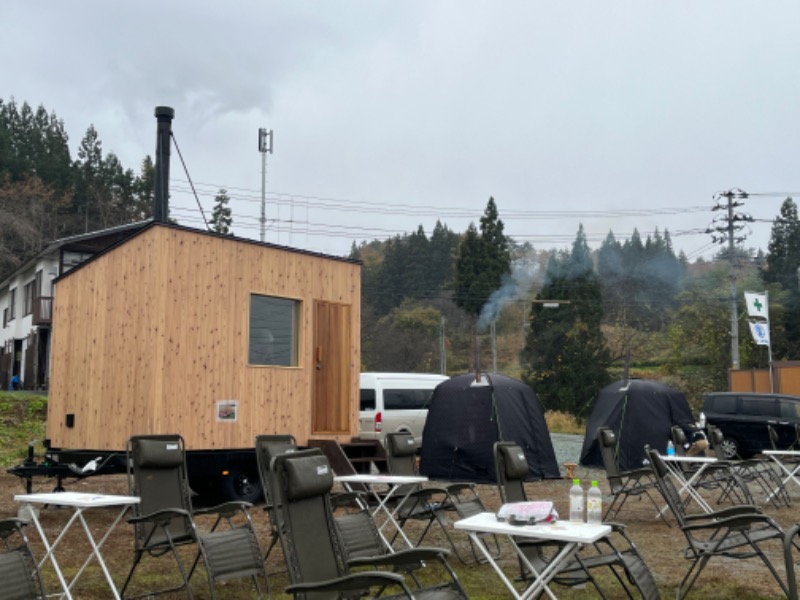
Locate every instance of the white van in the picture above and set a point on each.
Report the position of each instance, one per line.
(392, 402)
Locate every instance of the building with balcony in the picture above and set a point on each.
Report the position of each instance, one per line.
(26, 301)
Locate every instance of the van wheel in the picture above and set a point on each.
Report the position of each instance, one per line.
(729, 448)
(241, 486)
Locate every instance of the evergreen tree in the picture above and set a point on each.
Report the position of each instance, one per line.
(482, 262)
(88, 167)
(221, 219)
(783, 251)
(783, 264)
(144, 191)
(565, 355)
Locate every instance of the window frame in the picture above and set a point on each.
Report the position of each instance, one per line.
(12, 301)
(28, 292)
(294, 329)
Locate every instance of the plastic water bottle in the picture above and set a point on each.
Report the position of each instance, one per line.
(594, 505)
(670, 448)
(576, 502)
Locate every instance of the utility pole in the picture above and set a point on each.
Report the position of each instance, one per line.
(729, 229)
(264, 146)
(442, 349)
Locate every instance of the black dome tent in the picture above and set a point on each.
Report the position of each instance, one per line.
(466, 418)
(639, 412)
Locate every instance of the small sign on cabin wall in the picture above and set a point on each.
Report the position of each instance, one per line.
(227, 411)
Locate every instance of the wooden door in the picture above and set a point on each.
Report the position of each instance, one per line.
(332, 402)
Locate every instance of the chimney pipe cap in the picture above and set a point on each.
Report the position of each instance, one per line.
(165, 112)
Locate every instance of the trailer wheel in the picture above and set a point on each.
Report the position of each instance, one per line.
(242, 486)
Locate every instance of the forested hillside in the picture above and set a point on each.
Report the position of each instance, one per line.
(565, 320)
(46, 194)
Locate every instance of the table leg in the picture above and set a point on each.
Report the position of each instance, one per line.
(541, 580)
(687, 486)
(96, 550)
(490, 559)
(790, 475)
(50, 548)
(373, 514)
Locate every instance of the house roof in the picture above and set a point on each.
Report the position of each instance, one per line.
(152, 224)
(74, 240)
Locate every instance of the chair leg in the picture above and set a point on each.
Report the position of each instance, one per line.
(137, 559)
(691, 576)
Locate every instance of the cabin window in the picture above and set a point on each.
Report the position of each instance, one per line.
(274, 331)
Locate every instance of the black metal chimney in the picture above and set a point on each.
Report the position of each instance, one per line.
(164, 116)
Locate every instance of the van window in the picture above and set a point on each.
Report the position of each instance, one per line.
(789, 409)
(406, 399)
(760, 407)
(725, 405)
(367, 399)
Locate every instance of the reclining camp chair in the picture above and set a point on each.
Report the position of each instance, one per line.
(267, 448)
(19, 573)
(736, 532)
(757, 472)
(359, 535)
(722, 475)
(433, 503)
(623, 484)
(511, 467)
(791, 544)
(164, 520)
(319, 565)
(416, 503)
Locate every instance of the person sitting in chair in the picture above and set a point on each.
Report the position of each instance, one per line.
(696, 439)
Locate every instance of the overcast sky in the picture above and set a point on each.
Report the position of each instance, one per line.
(389, 115)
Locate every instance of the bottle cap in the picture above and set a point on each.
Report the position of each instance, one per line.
(576, 482)
(594, 484)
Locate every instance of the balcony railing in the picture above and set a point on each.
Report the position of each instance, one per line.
(42, 310)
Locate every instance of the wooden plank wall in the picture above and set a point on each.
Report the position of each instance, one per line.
(148, 337)
(786, 379)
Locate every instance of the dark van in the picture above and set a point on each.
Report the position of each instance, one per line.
(743, 419)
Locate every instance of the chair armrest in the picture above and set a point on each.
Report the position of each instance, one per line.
(159, 515)
(226, 510)
(742, 509)
(455, 488)
(637, 473)
(346, 499)
(354, 581)
(401, 558)
(733, 522)
(433, 489)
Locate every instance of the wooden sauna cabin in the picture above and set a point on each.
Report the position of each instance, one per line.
(176, 330)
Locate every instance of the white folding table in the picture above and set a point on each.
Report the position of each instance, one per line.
(393, 483)
(572, 535)
(79, 503)
(673, 462)
(791, 475)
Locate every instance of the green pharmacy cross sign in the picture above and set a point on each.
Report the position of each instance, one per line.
(757, 305)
